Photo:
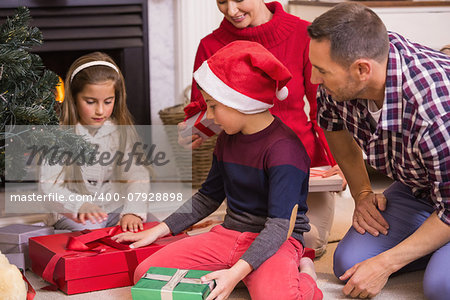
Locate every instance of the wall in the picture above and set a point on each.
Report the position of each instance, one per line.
(194, 21)
(427, 25)
(175, 28)
(162, 53)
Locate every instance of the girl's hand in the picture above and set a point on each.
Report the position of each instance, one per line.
(189, 142)
(131, 222)
(72, 216)
(227, 279)
(91, 212)
(333, 171)
(142, 238)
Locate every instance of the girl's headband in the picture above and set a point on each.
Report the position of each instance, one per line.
(93, 63)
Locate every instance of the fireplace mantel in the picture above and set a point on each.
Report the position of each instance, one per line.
(72, 28)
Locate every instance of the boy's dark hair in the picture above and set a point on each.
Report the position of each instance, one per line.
(354, 31)
(199, 87)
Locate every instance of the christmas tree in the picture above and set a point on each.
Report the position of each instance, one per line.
(27, 96)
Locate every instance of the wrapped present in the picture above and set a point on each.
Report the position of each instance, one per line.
(14, 242)
(89, 260)
(168, 283)
(13, 248)
(20, 233)
(17, 259)
(17, 254)
(317, 183)
(199, 124)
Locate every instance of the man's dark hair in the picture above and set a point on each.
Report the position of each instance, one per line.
(354, 31)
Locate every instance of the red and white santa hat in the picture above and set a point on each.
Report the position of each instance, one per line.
(245, 76)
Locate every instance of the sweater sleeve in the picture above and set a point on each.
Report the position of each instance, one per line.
(207, 47)
(197, 101)
(138, 182)
(267, 242)
(311, 95)
(202, 204)
(194, 210)
(51, 180)
(135, 178)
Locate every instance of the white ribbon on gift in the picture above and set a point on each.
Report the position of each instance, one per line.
(174, 280)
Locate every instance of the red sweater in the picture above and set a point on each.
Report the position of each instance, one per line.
(285, 36)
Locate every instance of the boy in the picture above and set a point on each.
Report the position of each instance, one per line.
(262, 168)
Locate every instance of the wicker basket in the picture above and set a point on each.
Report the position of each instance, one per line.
(201, 156)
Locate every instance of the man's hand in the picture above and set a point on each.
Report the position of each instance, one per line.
(366, 279)
(131, 222)
(189, 142)
(227, 279)
(142, 238)
(367, 217)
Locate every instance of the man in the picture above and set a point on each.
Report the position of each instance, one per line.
(389, 97)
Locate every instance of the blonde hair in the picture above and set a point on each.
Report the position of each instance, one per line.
(74, 84)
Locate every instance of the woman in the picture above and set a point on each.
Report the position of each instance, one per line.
(285, 36)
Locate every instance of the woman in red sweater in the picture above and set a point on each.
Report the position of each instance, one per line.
(285, 36)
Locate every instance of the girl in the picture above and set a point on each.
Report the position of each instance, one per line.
(95, 104)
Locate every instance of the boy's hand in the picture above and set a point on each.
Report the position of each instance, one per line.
(189, 142)
(91, 212)
(227, 279)
(142, 238)
(131, 222)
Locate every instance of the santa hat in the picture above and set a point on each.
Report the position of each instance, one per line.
(245, 76)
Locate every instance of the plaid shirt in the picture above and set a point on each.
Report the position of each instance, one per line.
(411, 142)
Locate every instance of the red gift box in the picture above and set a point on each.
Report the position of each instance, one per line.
(89, 260)
(199, 124)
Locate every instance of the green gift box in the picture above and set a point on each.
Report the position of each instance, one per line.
(172, 284)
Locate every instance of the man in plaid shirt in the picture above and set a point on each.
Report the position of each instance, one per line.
(389, 97)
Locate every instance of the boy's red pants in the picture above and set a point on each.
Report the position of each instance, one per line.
(277, 278)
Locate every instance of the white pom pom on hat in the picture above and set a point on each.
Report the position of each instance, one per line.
(245, 76)
(282, 93)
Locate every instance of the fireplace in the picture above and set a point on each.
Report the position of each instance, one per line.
(72, 28)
